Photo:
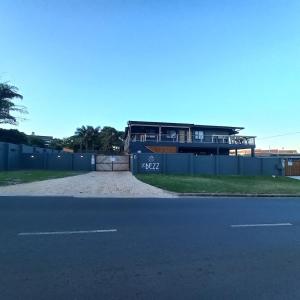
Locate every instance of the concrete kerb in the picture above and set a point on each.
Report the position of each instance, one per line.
(237, 195)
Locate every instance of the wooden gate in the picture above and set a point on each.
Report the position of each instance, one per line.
(112, 162)
(292, 168)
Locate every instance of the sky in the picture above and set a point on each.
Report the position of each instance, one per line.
(102, 63)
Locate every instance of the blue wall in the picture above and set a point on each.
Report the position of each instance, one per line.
(155, 163)
(13, 157)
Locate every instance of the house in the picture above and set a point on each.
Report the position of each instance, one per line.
(162, 137)
(270, 152)
(45, 138)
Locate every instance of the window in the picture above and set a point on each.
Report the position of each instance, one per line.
(199, 135)
(171, 134)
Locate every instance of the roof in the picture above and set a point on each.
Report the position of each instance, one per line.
(182, 124)
(233, 128)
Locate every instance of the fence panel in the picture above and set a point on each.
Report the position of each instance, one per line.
(3, 156)
(61, 161)
(205, 165)
(83, 162)
(13, 157)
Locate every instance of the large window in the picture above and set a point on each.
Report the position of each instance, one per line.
(199, 135)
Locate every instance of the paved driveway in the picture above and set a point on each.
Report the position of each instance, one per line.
(93, 184)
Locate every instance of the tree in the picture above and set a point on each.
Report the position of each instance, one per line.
(56, 144)
(35, 141)
(72, 142)
(7, 94)
(88, 136)
(93, 135)
(13, 136)
(81, 134)
(111, 140)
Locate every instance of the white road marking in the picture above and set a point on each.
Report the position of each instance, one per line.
(261, 225)
(67, 232)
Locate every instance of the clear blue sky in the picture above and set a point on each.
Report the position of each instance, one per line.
(106, 62)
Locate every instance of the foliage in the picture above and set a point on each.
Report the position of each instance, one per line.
(56, 144)
(13, 136)
(110, 140)
(87, 136)
(35, 141)
(7, 94)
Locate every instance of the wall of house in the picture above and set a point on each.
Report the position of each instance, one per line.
(187, 163)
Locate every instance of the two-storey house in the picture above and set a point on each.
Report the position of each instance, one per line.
(162, 137)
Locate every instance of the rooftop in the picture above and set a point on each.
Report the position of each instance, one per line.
(182, 124)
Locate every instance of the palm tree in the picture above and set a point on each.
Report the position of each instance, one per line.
(7, 94)
(81, 133)
(87, 135)
(92, 135)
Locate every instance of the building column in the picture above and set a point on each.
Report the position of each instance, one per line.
(218, 151)
(190, 137)
(252, 152)
(236, 152)
(159, 133)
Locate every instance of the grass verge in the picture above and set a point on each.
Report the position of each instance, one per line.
(223, 184)
(23, 176)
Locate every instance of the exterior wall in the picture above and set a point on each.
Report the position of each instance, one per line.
(63, 161)
(13, 157)
(205, 165)
(183, 142)
(162, 149)
(205, 148)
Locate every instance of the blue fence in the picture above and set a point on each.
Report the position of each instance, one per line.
(145, 163)
(14, 157)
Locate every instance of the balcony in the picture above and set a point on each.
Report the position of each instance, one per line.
(185, 138)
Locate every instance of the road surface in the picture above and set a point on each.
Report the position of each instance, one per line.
(209, 248)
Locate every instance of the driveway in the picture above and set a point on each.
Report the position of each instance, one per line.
(93, 184)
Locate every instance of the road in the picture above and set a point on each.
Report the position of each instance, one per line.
(209, 248)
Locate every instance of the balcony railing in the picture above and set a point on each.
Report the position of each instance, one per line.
(185, 138)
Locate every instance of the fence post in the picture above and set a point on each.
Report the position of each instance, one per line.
(6, 156)
(135, 161)
(72, 163)
(261, 166)
(164, 163)
(191, 160)
(217, 163)
(45, 160)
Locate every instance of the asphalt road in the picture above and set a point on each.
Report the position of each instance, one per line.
(51, 248)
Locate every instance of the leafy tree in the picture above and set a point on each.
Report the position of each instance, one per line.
(13, 136)
(72, 142)
(35, 141)
(81, 134)
(93, 135)
(56, 144)
(7, 94)
(88, 136)
(111, 140)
